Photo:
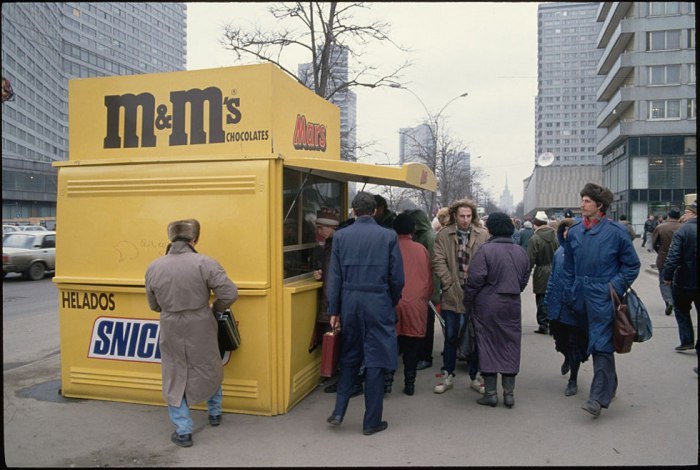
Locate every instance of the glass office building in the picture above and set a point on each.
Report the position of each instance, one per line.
(46, 44)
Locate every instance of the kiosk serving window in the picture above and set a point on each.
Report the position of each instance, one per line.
(304, 195)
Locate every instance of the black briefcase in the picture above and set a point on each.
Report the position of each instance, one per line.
(229, 337)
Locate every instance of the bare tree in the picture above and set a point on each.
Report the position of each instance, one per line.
(319, 28)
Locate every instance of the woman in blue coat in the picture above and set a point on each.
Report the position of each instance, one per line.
(598, 253)
(498, 273)
(569, 331)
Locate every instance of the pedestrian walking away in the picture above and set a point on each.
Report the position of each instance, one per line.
(681, 271)
(179, 286)
(540, 251)
(598, 253)
(498, 274)
(365, 281)
(661, 240)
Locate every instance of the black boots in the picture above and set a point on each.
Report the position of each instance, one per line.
(508, 382)
(409, 382)
(388, 380)
(490, 397)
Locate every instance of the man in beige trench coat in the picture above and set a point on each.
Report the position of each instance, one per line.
(178, 285)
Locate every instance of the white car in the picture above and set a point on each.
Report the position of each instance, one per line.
(31, 253)
(32, 228)
(9, 229)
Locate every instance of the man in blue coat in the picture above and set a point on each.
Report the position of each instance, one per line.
(598, 253)
(364, 285)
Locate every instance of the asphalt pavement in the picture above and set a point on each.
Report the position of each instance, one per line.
(652, 421)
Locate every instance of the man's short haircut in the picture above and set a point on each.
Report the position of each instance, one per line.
(364, 204)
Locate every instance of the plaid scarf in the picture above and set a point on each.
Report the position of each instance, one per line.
(462, 254)
(590, 223)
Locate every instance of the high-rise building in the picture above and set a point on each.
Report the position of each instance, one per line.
(649, 143)
(567, 82)
(344, 99)
(416, 144)
(46, 44)
(566, 106)
(506, 201)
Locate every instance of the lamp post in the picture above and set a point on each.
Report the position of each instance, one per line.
(434, 121)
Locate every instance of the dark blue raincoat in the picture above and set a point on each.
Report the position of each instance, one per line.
(364, 285)
(593, 259)
(555, 287)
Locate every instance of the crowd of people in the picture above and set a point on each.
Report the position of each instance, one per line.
(386, 276)
(472, 273)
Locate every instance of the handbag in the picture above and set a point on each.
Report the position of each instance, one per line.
(467, 338)
(330, 352)
(638, 315)
(229, 336)
(623, 331)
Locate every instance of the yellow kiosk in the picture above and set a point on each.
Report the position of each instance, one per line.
(247, 151)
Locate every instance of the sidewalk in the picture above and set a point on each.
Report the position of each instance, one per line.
(652, 421)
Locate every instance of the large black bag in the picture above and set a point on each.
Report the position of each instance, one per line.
(638, 315)
(229, 337)
(467, 338)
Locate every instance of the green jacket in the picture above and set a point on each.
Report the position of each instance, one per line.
(540, 250)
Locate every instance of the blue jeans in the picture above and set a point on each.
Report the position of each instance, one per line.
(453, 322)
(180, 416)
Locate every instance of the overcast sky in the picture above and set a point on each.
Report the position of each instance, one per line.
(486, 49)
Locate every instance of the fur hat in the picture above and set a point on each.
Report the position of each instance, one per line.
(500, 225)
(674, 213)
(599, 194)
(541, 217)
(404, 224)
(183, 230)
(327, 217)
(693, 207)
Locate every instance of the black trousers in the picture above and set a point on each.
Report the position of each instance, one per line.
(409, 346)
(541, 311)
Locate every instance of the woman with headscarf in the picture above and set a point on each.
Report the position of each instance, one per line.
(569, 331)
(498, 273)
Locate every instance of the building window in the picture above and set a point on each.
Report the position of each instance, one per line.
(691, 38)
(664, 8)
(665, 75)
(664, 109)
(692, 108)
(664, 40)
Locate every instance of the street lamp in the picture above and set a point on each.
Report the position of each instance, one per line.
(433, 127)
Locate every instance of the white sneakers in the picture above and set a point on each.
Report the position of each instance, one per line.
(478, 385)
(445, 382)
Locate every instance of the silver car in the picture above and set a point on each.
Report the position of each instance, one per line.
(31, 253)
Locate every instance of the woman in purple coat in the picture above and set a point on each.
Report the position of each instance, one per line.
(498, 273)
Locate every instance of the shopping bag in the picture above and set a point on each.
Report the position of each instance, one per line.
(638, 315)
(623, 331)
(229, 336)
(330, 352)
(467, 338)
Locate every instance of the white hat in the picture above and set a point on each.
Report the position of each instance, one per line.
(541, 216)
(527, 224)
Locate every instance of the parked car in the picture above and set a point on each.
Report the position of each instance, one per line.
(31, 253)
(32, 228)
(9, 229)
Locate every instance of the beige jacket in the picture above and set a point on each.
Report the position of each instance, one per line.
(444, 262)
(178, 285)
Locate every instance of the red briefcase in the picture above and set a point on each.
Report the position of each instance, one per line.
(330, 353)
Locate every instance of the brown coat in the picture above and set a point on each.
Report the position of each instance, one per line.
(661, 240)
(445, 263)
(412, 310)
(178, 285)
